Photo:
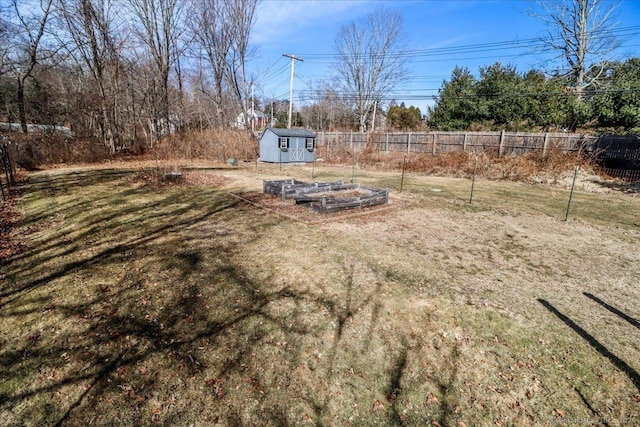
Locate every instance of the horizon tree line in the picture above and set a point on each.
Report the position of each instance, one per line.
(132, 72)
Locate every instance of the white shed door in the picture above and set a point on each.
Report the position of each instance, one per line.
(296, 154)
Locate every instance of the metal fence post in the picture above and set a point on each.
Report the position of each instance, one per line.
(404, 161)
(473, 180)
(575, 176)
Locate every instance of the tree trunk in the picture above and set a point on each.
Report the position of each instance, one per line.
(21, 108)
(581, 48)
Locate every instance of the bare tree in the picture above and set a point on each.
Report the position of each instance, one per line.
(214, 39)
(25, 52)
(581, 31)
(242, 14)
(159, 28)
(328, 111)
(370, 59)
(92, 26)
(223, 43)
(4, 41)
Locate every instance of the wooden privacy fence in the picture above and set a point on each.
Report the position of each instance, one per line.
(496, 143)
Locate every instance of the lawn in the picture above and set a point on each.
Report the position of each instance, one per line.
(139, 303)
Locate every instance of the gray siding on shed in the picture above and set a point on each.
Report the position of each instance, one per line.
(297, 146)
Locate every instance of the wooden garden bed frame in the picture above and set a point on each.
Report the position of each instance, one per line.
(326, 197)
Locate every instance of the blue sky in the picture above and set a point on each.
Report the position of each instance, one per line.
(460, 28)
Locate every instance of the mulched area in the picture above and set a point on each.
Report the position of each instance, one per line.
(10, 242)
(301, 213)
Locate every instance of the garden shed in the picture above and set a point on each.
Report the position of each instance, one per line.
(287, 145)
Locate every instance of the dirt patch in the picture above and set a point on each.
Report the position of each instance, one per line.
(158, 179)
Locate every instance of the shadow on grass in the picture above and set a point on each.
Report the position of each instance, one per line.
(604, 351)
(394, 389)
(109, 318)
(622, 315)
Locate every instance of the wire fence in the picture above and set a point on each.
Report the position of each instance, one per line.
(627, 175)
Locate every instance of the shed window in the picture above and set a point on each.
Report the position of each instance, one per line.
(284, 143)
(311, 143)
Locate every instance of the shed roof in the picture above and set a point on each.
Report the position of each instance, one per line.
(302, 133)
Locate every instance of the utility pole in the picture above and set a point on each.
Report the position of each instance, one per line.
(253, 127)
(293, 60)
(373, 122)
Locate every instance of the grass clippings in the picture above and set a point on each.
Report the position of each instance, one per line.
(179, 305)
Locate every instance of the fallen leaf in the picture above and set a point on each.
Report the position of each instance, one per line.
(560, 413)
(431, 399)
(377, 406)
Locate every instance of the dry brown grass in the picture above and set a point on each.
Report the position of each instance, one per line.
(214, 144)
(153, 303)
(532, 167)
(36, 151)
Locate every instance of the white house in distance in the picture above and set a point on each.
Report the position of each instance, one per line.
(257, 117)
(279, 145)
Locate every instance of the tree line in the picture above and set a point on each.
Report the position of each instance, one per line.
(502, 98)
(125, 71)
(131, 72)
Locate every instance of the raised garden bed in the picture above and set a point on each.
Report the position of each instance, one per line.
(327, 197)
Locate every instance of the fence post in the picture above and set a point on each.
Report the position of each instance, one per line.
(501, 148)
(546, 144)
(473, 179)
(9, 155)
(433, 145)
(404, 161)
(3, 153)
(351, 140)
(353, 167)
(387, 143)
(409, 142)
(464, 142)
(575, 176)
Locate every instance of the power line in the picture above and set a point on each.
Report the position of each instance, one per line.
(530, 43)
(310, 96)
